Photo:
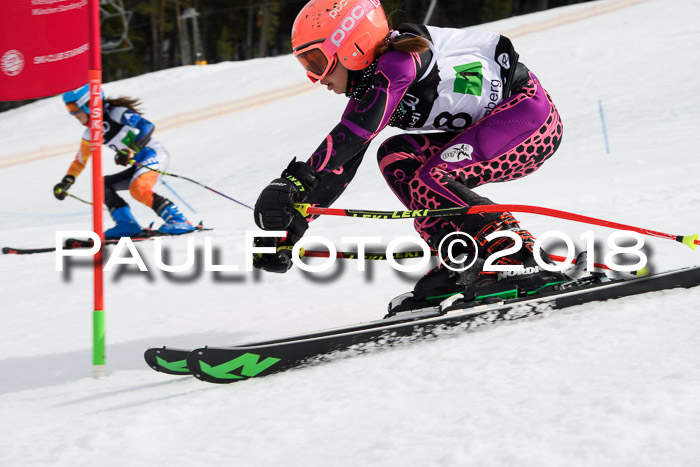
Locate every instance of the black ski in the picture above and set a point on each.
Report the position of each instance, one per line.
(166, 360)
(236, 363)
(72, 243)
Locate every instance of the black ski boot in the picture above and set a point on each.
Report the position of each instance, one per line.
(450, 277)
(526, 275)
(439, 284)
(475, 284)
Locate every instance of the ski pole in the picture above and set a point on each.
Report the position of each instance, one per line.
(178, 196)
(367, 256)
(409, 254)
(306, 209)
(79, 199)
(193, 181)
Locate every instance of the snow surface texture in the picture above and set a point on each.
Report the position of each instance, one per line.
(610, 384)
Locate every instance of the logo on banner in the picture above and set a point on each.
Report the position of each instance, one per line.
(12, 62)
(458, 153)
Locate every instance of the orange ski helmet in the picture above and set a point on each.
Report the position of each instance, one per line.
(328, 31)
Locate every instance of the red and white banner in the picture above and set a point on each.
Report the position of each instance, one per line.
(44, 47)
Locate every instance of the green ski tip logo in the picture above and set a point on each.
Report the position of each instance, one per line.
(179, 366)
(251, 366)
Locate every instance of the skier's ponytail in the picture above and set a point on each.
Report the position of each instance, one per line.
(405, 44)
(130, 103)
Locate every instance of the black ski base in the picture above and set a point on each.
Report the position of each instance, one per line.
(73, 243)
(166, 360)
(237, 363)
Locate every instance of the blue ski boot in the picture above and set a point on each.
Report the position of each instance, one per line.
(126, 224)
(175, 222)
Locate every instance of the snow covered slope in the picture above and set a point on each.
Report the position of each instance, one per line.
(613, 384)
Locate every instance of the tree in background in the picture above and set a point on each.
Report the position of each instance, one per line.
(243, 29)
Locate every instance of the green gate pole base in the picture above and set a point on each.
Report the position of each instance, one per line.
(98, 344)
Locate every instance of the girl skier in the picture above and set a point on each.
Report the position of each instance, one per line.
(492, 122)
(129, 135)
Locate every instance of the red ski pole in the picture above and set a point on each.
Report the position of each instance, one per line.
(306, 209)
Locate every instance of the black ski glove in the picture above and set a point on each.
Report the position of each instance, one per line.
(280, 261)
(60, 191)
(274, 209)
(124, 157)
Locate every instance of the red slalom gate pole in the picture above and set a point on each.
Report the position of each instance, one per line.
(96, 139)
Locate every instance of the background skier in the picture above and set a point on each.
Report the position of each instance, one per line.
(128, 133)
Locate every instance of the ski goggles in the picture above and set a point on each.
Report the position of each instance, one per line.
(316, 61)
(73, 108)
(319, 57)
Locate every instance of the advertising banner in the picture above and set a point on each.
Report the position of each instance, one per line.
(44, 47)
